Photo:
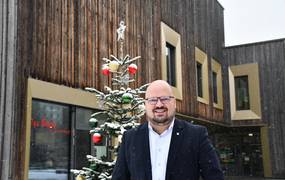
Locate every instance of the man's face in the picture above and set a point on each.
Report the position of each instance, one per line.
(162, 111)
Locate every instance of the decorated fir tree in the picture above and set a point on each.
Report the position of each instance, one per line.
(123, 107)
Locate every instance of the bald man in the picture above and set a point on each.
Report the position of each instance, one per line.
(165, 148)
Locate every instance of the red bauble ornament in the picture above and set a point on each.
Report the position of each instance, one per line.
(132, 68)
(106, 70)
(96, 138)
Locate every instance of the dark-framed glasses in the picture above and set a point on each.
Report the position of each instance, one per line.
(163, 99)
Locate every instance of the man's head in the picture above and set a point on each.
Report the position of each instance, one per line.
(160, 103)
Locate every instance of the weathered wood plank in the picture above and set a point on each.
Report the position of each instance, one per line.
(8, 113)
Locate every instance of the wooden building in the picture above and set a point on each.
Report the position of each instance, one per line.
(269, 56)
(51, 50)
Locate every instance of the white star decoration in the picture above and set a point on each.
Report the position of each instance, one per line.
(121, 31)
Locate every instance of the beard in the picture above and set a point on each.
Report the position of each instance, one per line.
(161, 120)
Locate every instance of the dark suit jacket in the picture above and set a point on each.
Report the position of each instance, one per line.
(190, 155)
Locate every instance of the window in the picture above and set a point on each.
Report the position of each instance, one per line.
(199, 80)
(53, 112)
(244, 92)
(202, 76)
(171, 59)
(50, 141)
(241, 92)
(83, 138)
(51, 152)
(217, 90)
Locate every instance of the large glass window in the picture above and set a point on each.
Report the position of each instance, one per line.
(170, 62)
(54, 150)
(240, 151)
(242, 93)
(50, 141)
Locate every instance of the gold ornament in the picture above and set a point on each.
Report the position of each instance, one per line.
(127, 106)
(114, 65)
(80, 177)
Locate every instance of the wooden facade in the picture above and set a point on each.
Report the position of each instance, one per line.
(270, 57)
(63, 42)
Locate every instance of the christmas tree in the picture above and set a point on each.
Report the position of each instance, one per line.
(123, 108)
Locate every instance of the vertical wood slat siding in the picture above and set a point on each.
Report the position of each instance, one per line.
(270, 57)
(8, 90)
(198, 22)
(71, 37)
(64, 40)
(65, 34)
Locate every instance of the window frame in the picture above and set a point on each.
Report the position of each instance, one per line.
(217, 68)
(168, 35)
(250, 70)
(46, 91)
(201, 57)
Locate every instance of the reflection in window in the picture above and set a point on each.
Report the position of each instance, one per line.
(170, 62)
(82, 139)
(215, 88)
(199, 79)
(50, 141)
(242, 93)
(83, 143)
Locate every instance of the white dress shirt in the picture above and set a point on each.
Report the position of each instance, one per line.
(159, 147)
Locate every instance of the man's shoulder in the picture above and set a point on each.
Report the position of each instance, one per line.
(189, 125)
(136, 129)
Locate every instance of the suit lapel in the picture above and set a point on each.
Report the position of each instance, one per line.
(143, 144)
(175, 143)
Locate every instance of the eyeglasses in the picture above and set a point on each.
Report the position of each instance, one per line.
(163, 99)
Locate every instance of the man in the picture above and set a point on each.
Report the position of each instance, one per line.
(165, 148)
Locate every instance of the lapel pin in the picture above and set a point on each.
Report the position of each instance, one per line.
(177, 133)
